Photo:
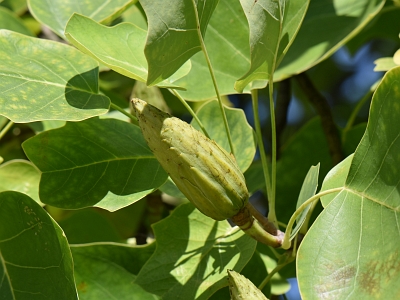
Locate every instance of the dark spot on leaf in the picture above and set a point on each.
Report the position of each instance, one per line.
(380, 274)
(81, 287)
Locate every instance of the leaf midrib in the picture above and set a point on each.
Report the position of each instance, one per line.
(368, 197)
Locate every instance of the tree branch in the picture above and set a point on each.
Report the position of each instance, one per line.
(322, 107)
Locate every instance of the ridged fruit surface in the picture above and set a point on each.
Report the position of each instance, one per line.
(204, 172)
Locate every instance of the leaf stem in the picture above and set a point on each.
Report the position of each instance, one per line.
(190, 110)
(264, 162)
(271, 202)
(274, 271)
(286, 241)
(121, 110)
(214, 80)
(245, 220)
(6, 128)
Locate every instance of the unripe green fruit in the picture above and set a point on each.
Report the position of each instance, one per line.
(204, 172)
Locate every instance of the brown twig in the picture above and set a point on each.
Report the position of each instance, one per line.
(321, 105)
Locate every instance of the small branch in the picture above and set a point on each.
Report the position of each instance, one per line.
(286, 241)
(322, 107)
(288, 260)
(190, 110)
(245, 220)
(264, 162)
(6, 128)
(214, 80)
(263, 220)
(121, 110)
(282, 106)
(271, 202)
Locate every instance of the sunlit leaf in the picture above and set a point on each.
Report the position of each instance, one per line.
(120, 47)
(308, 190)
(97, 162)
(335, 178)
(172, 35)
(46, 80)
(326, 27)
(10, 21)
(21, 176)
(192, 255)
(56, 13)
(273, 26)
(36, 262)
(241, 132)
(227, 42)
(384, 64)
(352, 250)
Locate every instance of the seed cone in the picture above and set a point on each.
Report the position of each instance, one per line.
(242, 288)
(204, 172)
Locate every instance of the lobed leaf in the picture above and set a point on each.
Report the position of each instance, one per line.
(120, 47)
(327, 26)
(273, 26)
(56, 13)
(227, 43)
(352, 250)
(36, 262)
(172, 33)
(192, 255)
(81, 167)
(335, 178)
(46, 80)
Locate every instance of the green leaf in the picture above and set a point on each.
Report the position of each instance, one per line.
(36, 262)
(351, 251)
(265, 20)
(131, 258)
(97, 162)
(242, 133)
(171, 189)
(173, 37)
(227, 43)
(308, 190)
(135, 15)
(46, 125)
(294, 163)
(151, 95)
(120, 47)
(46, 80)
(20, 176)
(335, 178)
(88, 226)
(380, 27)
(327, 26)
(384, 64)
(243, 289)
(56, 13)
(273, 26)
(192, 255)
(17, 6)
(103, 265)
(10, 21)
